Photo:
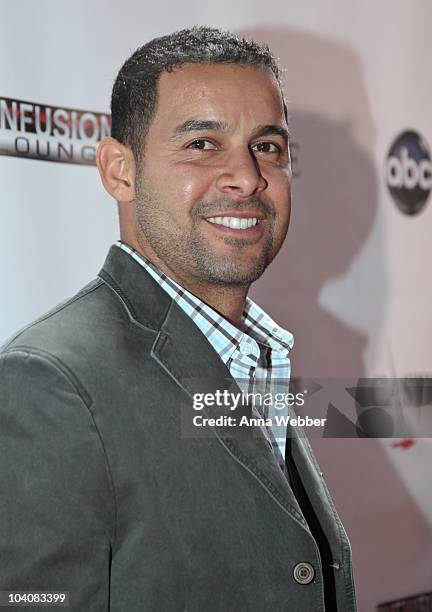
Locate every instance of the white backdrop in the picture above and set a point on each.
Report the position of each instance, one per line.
(353, 281)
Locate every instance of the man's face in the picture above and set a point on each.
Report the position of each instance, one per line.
(213, 191)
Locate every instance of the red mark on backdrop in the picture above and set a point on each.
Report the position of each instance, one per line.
(405, 444)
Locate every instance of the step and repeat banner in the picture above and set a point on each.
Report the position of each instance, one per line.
(353, 280)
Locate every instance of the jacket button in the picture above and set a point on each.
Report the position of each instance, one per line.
(304, 573)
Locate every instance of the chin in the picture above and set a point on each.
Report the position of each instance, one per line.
(224, 273)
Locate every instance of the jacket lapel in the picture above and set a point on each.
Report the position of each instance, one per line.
(187, 356)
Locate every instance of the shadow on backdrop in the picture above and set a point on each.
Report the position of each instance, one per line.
(334, 220)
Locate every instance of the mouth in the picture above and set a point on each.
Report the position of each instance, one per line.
(241, 223)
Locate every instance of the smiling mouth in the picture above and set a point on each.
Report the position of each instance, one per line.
(238, 223)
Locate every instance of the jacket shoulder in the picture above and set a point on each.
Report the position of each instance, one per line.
(57, 316)
(78, 328)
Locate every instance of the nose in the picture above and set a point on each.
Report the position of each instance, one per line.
(241, 175)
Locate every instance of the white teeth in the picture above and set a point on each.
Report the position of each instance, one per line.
(234, 222)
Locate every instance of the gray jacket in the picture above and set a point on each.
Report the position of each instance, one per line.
(107, 495)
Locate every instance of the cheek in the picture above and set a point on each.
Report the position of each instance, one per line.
(279, 190)
(190, 183)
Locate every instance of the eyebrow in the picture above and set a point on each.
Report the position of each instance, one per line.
(202, 125)
(267, 130)
(199, 125)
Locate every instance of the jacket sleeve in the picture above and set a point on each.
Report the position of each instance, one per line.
(57, 507)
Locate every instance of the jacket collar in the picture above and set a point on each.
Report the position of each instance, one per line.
(146, 302)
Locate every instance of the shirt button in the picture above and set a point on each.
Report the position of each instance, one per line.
(304, 573)
(246, 348)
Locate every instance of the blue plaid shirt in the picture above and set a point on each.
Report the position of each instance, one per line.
(257, 358)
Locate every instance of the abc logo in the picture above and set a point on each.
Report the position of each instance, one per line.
(409, 172)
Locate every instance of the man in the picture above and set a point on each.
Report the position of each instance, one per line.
(111, 493)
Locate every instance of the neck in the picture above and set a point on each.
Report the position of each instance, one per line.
(228, 300)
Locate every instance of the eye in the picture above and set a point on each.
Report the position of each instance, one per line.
(266, 147)
(201, 144)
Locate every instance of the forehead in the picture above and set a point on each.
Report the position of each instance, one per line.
(233, 93)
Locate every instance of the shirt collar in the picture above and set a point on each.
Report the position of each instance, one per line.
(256, 323)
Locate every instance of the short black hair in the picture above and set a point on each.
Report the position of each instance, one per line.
(134, 95)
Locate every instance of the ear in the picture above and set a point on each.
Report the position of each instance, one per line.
(116, 165)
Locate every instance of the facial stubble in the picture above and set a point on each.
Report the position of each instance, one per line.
(189, 252)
